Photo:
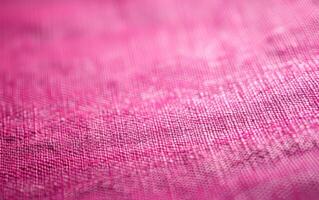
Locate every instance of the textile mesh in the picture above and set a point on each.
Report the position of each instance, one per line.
(159, 99)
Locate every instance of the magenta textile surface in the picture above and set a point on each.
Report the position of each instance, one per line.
(159, 99)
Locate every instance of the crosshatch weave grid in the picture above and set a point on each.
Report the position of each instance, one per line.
(162, 99)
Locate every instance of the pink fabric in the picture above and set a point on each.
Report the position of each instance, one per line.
(159, 99)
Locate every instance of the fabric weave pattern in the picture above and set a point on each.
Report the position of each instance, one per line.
(159, 99)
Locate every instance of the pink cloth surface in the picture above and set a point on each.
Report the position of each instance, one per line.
(159, 99)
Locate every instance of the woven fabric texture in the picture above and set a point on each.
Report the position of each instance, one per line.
(159, 99)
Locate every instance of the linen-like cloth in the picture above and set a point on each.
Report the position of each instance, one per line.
(159, 99)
